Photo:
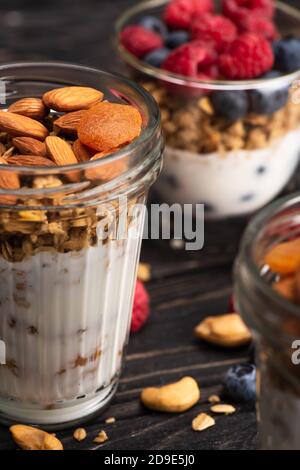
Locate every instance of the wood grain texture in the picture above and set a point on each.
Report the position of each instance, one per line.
(185, 287)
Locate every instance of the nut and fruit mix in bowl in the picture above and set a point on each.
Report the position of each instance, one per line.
(225, 77)
(79, 149)
(268, 297)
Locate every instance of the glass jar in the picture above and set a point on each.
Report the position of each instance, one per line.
(69, 248)
(276, 325)
(232, 145)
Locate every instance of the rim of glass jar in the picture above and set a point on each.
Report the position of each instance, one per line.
(147, 133)
(175, 79)
(252, 233)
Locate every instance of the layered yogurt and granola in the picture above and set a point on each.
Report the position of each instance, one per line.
(70, 239)
(224, 77)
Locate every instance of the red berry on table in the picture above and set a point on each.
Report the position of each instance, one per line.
(139, 41)
(141, 307)
(248, 56)
(238, 10)
(256, 24)
(195, 59)
(180, 13)
(215, 28)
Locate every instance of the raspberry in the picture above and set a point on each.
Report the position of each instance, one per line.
(217, 29)
(249, 56)
(141, 308)
(256, 24)
(139, 41)
(179, 13)
(194, 59)
(238, 10)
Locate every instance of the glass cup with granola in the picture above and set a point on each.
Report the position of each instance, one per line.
(225, 75)
(79, 150)
(268, 297)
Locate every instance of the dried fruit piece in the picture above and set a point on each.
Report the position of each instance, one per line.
(72, 98)
(30, 146)
(29, 438)
(22, 126)
(102, 437)
(173, 398)
(31, 107)
(79, 434)
(108, 126)
(60, 151)
(8, 180)
(202, 422)
(68, 123)
(224, 330)
(108, 171)
(284, 258)
(286, 287)
(223, 409)
(82, 153)
(29, 160)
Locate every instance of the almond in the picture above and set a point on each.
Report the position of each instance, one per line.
(224, 330)
(29, 160)
(29, 438)
(31, 107)
(2, 149)
(72, 98)
(68, 123)
(62, 154)
(22, 126)
(8, 180)
(81, 151)
(30, 146)
(60, 151)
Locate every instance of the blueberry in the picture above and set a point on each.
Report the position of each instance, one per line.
(232, 105)
(154, 24)
(156, 57)
(287, 54)
(240, 383)
(177, 38)
(269, 100)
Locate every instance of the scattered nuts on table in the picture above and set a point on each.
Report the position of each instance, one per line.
(80, 434)
(102, 437)
(223, 409)
(110, 420)
(224, 330)
(29, 438)
(202, 422)
(214, 399)
(144, 272)
(172, 398)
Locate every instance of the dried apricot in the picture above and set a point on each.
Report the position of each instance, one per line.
(109, 125)
(284, 258)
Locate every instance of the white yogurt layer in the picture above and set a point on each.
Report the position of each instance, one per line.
(237, 183)
(65, 320)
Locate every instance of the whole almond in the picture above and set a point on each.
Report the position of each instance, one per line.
(31, 107)
(29, 160)
(29, 438)
(68, 123)
(30, 146)
(81, 152)
(8, 180)
(60, 151)
(72, 98)
(22, 126)
(2, 149)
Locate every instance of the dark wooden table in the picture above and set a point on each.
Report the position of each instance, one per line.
(185, 287)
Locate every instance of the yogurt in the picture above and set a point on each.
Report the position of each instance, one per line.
(238, 182)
